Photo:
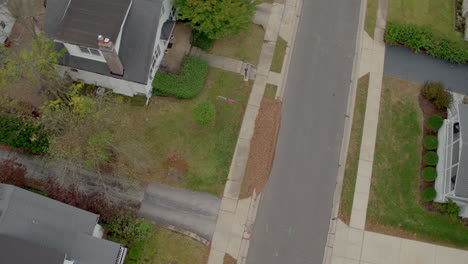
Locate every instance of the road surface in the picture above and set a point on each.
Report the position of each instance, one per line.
(293, 217)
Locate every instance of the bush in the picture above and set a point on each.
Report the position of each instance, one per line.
(443, 100)
(431, 158)
(12, 172)
(434, 122)
(200, 40)
(431, 89)
(449, 209)
(422, 39)
(204, 112)
(429, 174)
(436, 92)
(429, 194)
(186, 85)
(20, 133)
(431, 142)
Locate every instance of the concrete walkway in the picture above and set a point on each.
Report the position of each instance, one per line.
(352, 244)
(236, 217)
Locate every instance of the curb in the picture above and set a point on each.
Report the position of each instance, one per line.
(346, 136)
(289, 51)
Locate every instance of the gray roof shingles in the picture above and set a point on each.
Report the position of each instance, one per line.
(137, 42)
(50, 224)
(461, 184)
(18, 251)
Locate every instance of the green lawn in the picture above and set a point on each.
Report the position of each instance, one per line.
(394, 199)
(169, 147)
(371, 16)
(270, 91)
(349, 180)
(439, 16)
(278, 56)
(168, 247)
(245, 46)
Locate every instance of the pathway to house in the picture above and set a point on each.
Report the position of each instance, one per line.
(403, 63)
(352, 244)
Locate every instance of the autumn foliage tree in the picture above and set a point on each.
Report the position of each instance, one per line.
(217, 19)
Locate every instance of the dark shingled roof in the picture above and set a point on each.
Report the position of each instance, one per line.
(137, 42)
(461, 184)
(51, 224)
(18, 251)
(86, 19)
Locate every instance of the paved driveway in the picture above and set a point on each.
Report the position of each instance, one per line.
(188, 210)
(402, 63)
(294, 214)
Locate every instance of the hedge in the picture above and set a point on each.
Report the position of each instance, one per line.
(431, 158)
(17, 132)
(429, 194)
(434, 122)
(429, 174)
(204, 112)
(200, 40)
(421, 39)
(431, 142)
(185, 85)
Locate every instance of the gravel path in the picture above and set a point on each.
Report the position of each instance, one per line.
(402, 63)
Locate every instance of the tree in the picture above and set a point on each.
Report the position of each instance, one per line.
(34, 68)
(217, 19)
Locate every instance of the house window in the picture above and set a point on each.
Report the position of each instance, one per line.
(162, 10)
(95, 52)
(2, 24)
(90, 51)
(158, 50)
(153, 63)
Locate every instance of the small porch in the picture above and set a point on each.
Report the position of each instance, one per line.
(178, 47)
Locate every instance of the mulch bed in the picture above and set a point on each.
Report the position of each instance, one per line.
(262, 147)
(228, 259)
(428, 110)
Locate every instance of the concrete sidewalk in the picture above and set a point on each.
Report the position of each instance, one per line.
(236, 217)
(356, 246)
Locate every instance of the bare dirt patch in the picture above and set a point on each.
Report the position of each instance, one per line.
(228, 259)
(175, 167)
(262, 147)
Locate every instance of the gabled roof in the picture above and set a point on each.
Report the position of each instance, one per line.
(137, 41)
(17, 251)
(84, 20)
(51, 224)
(461, 184)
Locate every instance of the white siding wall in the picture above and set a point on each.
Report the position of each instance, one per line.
(117, 85)
(9, 21)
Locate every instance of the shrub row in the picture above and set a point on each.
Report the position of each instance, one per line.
(429, 174)
(429, 194)
(422, 39)
(200, 40)
(434, 122)
(20, 133)
(435, 92)
(185, 85)
(431, 158)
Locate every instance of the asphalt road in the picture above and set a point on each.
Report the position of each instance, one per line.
(293, 218)
(403, 63)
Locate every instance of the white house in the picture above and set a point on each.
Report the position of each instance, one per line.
(115, 44)
(6, 21)
(452, 168)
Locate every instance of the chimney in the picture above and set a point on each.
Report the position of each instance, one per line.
(110, 55)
